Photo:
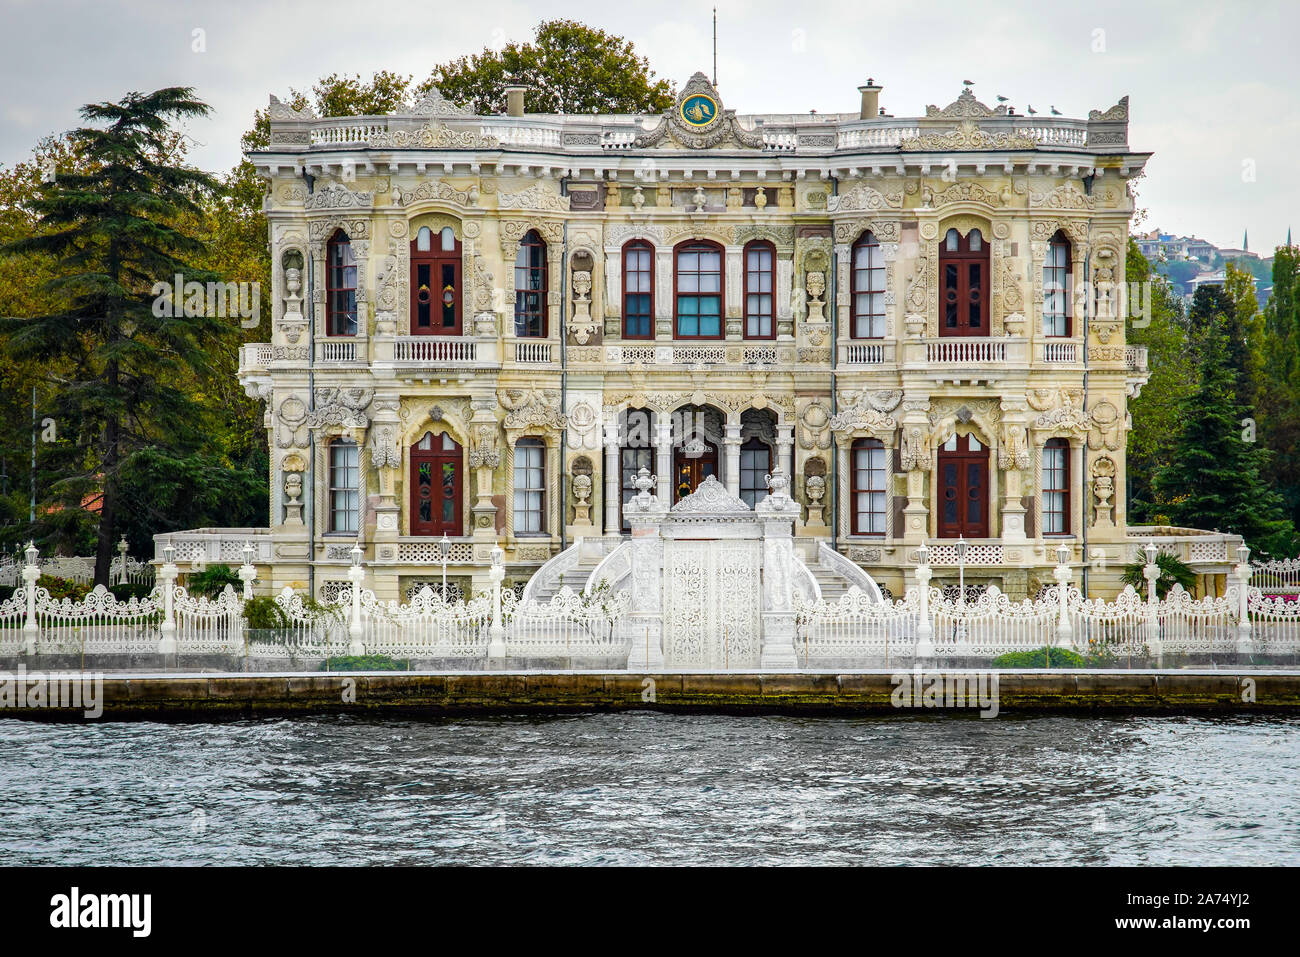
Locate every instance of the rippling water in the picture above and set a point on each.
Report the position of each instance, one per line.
(644, 788)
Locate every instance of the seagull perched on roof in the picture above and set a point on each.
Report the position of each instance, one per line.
(1055, 111)
(1032, 111)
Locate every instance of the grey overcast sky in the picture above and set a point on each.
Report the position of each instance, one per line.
(1211, 82)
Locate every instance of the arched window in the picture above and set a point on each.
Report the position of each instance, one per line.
(1056, 487)
(530, 487)
(436, 283)
(638, 290)
(344, 497)
(760, 266)
(868, 487)
(1056, 283)
(530, 287)
(699, 299)
(963, 284)
(436, 485)
(755, 466)
(868, 289)
(340, 286)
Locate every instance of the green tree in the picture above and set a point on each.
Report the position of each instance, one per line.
(1279, 393)
(110, 232)
(1158, 410)
(568, 68)
(1214, 477)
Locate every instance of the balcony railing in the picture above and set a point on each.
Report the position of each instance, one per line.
(1135, 358)
(435, 350)
(204, 546)
(1053, 351)
(966, 350)
(254, 356)
(1193, 545)
(529, 352)
(340, 350)
(868, 353)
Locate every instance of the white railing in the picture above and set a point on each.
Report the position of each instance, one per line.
(81, 570)
(877, 135)
(435, 350)
(1060, 351)
(1054, 132)
(338, 133)
(337, 350)
(426, 551)
(1278, 577)
(255, 356)
(533, 136)
(965, 350)
(532, 353)
(209, 546)
(1135, 358)
(864, 353)
(570, 625)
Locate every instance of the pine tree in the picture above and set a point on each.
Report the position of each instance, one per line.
(1214, 477)
(123, 221)
(1279, 394)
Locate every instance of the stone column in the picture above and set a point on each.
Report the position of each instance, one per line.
(731, 462)
(779, 513)
(664, 457)
(613, 477)
(1013, 456)
(784, 443)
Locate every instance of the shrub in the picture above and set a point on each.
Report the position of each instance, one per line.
(1039, 658)
(128, 591)
(365, 663)
(1173, 571)
(7, 592)
(60, 588)
(263, 612)
(210, 582)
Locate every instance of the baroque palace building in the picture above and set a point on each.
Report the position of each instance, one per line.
(485, 326)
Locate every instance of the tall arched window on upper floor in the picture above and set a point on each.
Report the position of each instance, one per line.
(699, 295)
(1056, 287)
(530, 487)
(638, 290)
(436, 283)
(344, 477)
(963, 284)
(868, 304)
(868, 486)
(340, 286)
(530, 287)
(1056, 487)
(760, 283)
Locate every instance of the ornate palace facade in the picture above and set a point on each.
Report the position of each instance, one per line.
(485, 326)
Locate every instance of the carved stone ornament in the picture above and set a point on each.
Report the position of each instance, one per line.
(965, 106)
(537, 196)
(864, 197)
(433, 103)
(338, 196)
(283, 111)
(384, 452)
(698, 121)
(710, 498)
(532, 408)
(915, 451)
(1117, 112)
(345, 407)
(967, 136)
(433, 137)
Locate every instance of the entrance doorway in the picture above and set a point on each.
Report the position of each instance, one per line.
(963, 488)
(436, 485)
(692, 464)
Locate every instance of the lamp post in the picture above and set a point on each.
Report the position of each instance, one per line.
(497, 639)
(121, 551)
(355, 575)
(168, 573)
(963, 647)
(31, 573)
(924, 630)
(1062, 575)
(247, 571)
(1244, 643)
(1151, 572)
(444, 549)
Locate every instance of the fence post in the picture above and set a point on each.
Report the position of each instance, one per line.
(121, 551)
(497, 642)
(31, 573)
(1062, 575)
(168, 573)
(1151, 572)
(1245, 644)
(247, 571)
(924, 630)
(356, 573)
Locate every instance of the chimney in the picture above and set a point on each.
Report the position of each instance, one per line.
(870, 100)
(515, 99)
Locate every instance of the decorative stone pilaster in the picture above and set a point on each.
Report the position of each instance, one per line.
(778, 513)
(664, 458)
(731, 463)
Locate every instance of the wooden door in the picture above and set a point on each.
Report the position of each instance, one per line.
(437, 486)
(963, 488)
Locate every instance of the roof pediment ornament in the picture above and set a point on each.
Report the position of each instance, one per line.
(967, 136)
(698, 121)
(965, 106)
(1116, 113)
(433, 103)
(279, 110)
(710, 498)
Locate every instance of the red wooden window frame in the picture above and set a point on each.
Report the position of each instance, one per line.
(530, 297)
(1058, 276)
(958, 289)
(699, 245)
(1063, 489)
(436, 457)
(868, 445)
(340, 286)
(863, 286)
(439, 262)
(750, 295)
(639, 246)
